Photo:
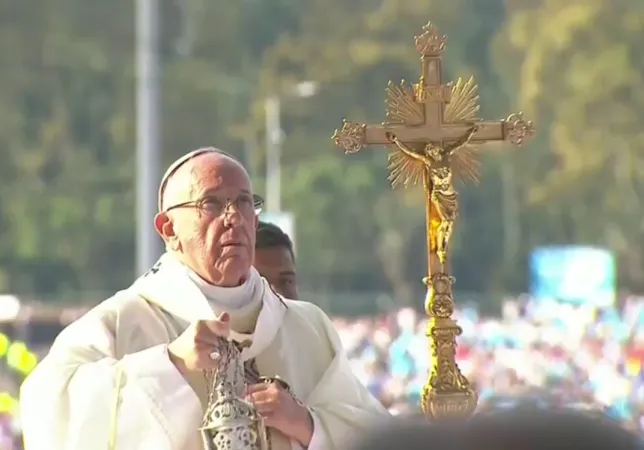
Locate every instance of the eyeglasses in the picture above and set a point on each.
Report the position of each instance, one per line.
(246, 204)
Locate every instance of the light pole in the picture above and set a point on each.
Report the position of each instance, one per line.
(272, 109)
(274, 137)
(148, 141)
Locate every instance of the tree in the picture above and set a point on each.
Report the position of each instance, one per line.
(580, 76)
(67, 132)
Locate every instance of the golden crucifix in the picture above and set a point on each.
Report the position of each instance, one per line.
(433, 132)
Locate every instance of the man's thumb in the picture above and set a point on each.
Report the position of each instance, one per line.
(224, 317)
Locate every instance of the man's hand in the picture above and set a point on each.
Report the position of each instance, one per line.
(281, 411)
(195, 349)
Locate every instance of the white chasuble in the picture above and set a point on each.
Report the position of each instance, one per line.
(108, 384)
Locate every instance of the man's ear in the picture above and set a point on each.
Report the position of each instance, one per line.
(256, 222)
(164, 226)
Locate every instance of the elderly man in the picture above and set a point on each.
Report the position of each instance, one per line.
(129, 374)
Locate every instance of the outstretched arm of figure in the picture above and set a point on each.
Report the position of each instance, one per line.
(406, 150)
(463, 141)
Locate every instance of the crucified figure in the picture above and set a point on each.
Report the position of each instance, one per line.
(439, 185)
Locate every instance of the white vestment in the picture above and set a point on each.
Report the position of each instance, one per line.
(108, 383)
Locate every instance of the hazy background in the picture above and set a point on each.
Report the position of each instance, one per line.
(68, 135)
(559, 219)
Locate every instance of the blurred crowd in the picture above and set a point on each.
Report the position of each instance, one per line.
(540, 353)
(547, 352)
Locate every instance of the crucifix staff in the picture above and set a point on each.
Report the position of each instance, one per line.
(433, 132)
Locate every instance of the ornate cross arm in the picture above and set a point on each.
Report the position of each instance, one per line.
(514, 129)
(354, 136)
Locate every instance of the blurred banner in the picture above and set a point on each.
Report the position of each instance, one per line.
(576, 275)
(284, 220)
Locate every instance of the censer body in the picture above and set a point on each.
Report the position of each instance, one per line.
(230, 422)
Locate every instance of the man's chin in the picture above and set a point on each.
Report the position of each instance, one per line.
(234, 273)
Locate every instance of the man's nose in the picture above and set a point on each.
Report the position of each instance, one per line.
(232, 216)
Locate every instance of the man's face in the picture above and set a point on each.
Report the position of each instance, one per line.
(277, 266)
(215, 237)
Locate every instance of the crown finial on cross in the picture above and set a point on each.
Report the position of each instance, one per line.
(430, 42)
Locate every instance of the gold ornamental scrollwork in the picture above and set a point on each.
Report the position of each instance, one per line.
(430, 42)
(351, 137)
(518, 129)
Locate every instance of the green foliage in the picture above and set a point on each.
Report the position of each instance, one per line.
(67, 132)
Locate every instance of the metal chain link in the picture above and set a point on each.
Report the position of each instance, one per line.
(214, 376)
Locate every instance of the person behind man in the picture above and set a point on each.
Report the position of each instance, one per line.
(129, 374)
(275, 259)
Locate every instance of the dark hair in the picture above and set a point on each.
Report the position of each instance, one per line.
(270, 235)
